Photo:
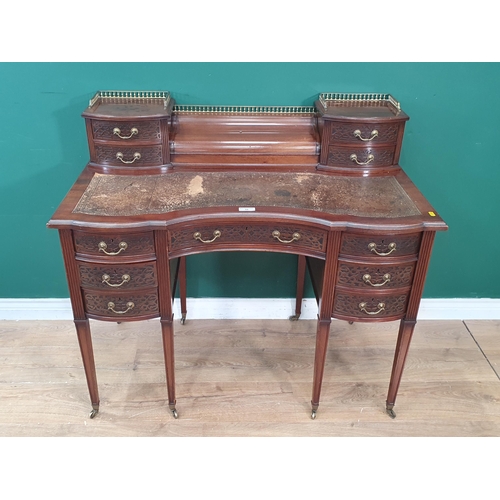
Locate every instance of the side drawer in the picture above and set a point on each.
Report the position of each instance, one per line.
(117, 306)
(360, 156)
(375, 276)
(369, 306)
(117, 276)
(123, 131)
(382, 245)
(278, 235)
(364, 133)
(128, 155)
(114, 245)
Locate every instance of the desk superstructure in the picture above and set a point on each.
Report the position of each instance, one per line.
(165, 181)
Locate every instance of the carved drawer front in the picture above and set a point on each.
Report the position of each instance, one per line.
(364, 133)
(126, 131)
(123, 155)
(116, 306)
(277, 235)
(380, 245)
(116, 276)
(360, 156)
(368, 306)
(114, 245)
(379, 277)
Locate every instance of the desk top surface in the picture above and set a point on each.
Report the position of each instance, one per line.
(118, 195)
(179, 196)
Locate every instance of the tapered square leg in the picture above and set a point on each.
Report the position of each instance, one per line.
(167, 330)
(406, 329)
(85, 342)
(322, 334)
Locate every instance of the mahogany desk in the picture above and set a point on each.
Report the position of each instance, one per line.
(322, 182)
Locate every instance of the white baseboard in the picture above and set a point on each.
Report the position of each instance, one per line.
(435, 309)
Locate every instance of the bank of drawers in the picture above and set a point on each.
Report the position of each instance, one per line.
(375, 275)
(364, 145)
(118, 275)
(276, 237)
(134, 143)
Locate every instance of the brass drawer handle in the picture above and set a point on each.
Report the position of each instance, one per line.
(111, 307)
(133, 131)
(373, 248)
(367, 279)
(122, 247)
(357, 134)
(369, 158)
(197, 236)
(381, 307)
(295, 237)
(107, 277)
(119, 156)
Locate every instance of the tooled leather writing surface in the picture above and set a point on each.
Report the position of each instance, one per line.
(119, 195)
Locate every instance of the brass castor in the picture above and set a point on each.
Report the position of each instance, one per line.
(183, 319)
(175, 414)
(390, 411)
(313, 414)
(351, 322)
(94, 411)
(295, 317)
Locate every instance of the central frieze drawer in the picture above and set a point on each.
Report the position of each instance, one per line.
(116, 305)
(114, 245)
(117, 276)
(380, 245)
(276, 235)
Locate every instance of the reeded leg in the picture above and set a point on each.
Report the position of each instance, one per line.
(406, 329)
(322, 334)
(301, 275)
(85, 342)
(167, 330)
(182, 288)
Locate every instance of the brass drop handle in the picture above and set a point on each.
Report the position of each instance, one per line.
(111, 307)
(117, 132)
(357, 134)
(295, 237)
(122, 247)
(367, 279)
(107, 277)
(381, 307)
(369, 158)
(390, 246)
(119, 156)
(197, 236)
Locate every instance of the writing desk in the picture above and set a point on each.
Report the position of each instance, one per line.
(323, 182)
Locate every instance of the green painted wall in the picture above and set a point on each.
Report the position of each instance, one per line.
(450, 151)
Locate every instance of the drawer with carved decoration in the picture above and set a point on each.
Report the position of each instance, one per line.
(120, 305)
(126, 131)
(276, 237)
(117, 155)
(360, 275)
(118, 276)
(116, 245)
(353, 156)
(386, 306)
(380, 245)
(368, 133)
